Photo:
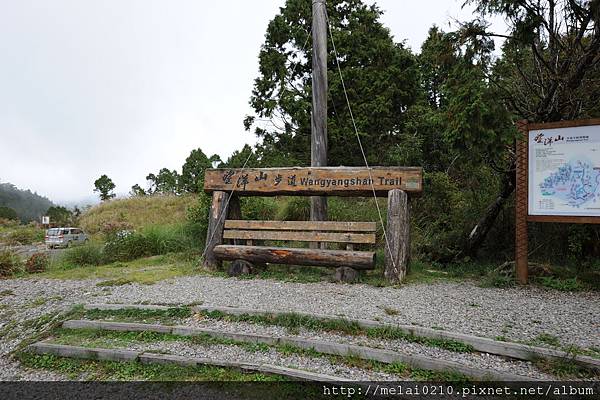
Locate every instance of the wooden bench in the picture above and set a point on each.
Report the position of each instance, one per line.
(225, 220)
(346, 233)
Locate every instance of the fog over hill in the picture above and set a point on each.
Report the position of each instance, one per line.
(28, 205)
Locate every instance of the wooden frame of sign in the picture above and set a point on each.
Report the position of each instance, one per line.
(523, 196)
(395, 183)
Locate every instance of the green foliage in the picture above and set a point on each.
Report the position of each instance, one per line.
(87, 254)
(135, 371)
(192, 171)
(60, 216)
(166, 182)
(8, 213)
(137, 190)
(24, 235)
(38, 262)
(154, 240)
(294, 209)
(104, 186)
(380, 76)
(563, 285)
(10, 263)
(258, 208)
(140, 315)
(197, 214)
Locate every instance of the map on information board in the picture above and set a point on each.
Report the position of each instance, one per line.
(564, 171)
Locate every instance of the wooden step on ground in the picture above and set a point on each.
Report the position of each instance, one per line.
(153, 358)
(512, 350)
(324, 347)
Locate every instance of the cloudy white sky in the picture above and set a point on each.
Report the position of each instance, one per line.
(125, 87)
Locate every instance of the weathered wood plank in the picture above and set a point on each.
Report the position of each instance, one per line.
(300, 236)
(333, 226)
(318, 142)
(309, 257)
(397, 244)
(216, 223)
(327, 181)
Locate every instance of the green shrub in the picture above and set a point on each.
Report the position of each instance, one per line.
(152, 241)
(87, 254)
(295, 209)
(197, 215)
(8, 223)
(38, 262)
(258, 208)
(10, 263)
(564, 285)
(25, 235)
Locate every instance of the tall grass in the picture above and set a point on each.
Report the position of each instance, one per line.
(151, 241)
(137, 212)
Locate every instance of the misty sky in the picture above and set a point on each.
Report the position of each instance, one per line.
(126, 87)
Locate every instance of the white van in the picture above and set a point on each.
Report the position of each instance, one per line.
(65, 237)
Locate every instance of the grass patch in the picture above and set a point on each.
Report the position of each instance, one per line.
(565, 369)
(7, 292)
(40, 301)
(134, 371)
(390, 311)
(143, 271)
(563, 285)
(167, 316)
(114, 282)
(294, 322)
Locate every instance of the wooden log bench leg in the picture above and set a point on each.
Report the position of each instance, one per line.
(216, 224)
(397, 245)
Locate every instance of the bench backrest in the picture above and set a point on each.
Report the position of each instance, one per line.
(302, 231)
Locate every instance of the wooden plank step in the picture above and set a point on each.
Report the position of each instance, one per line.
(333, 237)
(309, 257)
(62, 350)
(325, 347)
(333, 226)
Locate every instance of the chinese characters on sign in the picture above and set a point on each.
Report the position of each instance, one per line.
(564, 171)
(318, 180)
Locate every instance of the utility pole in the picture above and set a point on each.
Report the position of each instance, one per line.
(318, 142)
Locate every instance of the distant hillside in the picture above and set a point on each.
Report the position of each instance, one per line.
(29, 206)
(137, 212)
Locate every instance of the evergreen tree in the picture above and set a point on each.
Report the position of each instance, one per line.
(380, 76)
(104, 186)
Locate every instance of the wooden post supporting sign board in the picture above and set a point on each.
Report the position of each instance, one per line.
(558, 178)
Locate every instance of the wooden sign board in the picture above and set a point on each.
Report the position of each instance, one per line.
(321, 181)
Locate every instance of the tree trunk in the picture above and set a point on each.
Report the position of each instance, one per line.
(485, 224)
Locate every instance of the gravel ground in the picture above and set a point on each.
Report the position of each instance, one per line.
(517, 314)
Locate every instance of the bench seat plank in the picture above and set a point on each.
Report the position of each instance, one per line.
(301, 236)
(359, 260)
(332, 226)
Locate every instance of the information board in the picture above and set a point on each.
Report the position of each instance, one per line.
(564, 171)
